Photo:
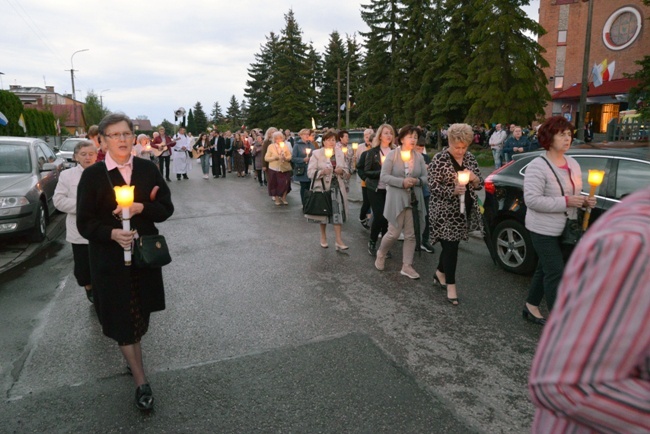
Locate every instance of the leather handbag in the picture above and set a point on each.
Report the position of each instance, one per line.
(299, 170)
(572, 231)
(317, 202)
(151, 251)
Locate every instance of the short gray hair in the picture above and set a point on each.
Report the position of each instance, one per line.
(462, 133)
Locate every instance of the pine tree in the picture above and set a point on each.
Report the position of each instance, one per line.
(216, 116)
(291, 91)
(191, 124)
(316, 64)
(243, 112)
(233, 114)
(377, 94)
(353, 59)
(334, 65)
(93, 110)
(505, 77)
(200, 119)
(258, 88)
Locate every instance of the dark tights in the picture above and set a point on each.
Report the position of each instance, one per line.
(379, 222)
(448, 260)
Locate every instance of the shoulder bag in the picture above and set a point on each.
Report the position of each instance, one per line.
(572, 231)
(317, 202)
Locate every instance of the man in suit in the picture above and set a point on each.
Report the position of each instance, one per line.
(218, 152)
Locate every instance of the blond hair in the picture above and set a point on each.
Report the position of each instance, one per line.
(377, 139)
(462, 133)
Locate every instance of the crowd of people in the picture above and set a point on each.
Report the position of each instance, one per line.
(407, 195)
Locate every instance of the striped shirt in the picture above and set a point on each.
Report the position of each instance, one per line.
(591, 371)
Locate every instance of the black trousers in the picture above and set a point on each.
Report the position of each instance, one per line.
(448, 260)
(550, 267)
(164, 162)
(261, 176)
(365, 207)
(81, 264)
(218, 165)
(379, 222)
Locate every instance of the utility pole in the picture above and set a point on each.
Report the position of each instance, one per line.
(74, 94)
(347, 100)
(582, 108)
(338, 99)
(101, 98)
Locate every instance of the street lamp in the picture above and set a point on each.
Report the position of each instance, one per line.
(2, 86)
(101, 98)
(74, 95)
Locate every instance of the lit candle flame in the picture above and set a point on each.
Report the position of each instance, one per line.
(596, 177)
(344, 149)
(282, 144)
(463, 177)
(355, 146)
(329, 152)
(124, 195)
(383, 158)
(308, 151)
(406, 155)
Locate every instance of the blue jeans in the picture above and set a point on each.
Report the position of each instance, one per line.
(496, 153)
(205, 163)
(548, 273)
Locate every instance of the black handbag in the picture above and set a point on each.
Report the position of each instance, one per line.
(299, 170)
(151, 251)
(572, 231)
(317, 202)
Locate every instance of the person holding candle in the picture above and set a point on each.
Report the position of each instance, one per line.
(404, 173)
(65, 200)
(238, 149)
(142, 148)
(447, 223)
(376, 188)
(328, 164)
(279, 172)
(552, 187)
(300, 155)
(258, 159)
(124, 295)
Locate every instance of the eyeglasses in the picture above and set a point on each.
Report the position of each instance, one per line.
(118, 136)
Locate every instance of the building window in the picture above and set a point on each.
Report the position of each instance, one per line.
(564, 2)
(622, 28)
(561, 37)
(609, 112)
(559, 83)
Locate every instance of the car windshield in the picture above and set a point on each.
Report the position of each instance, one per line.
(14, 158)
(69, 145)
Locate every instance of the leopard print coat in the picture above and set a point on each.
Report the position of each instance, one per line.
(445, 220)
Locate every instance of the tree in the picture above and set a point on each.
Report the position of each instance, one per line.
(505, 77)
(243, 111)
(191, 125)
(12, 108)
(216, 116)
(233, 113)
(200, 119)
(334, 65)
(93, 110)
(315, 62)
(258, 88)
(169, 127)
(353, 64)
(291, 89)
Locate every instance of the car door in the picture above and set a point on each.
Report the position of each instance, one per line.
(597, 162)
(48, 178)
(631, 175)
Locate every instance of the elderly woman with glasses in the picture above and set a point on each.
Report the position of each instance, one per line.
(448, 222)
(124, 295)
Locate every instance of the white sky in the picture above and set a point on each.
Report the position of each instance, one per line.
(156, 56)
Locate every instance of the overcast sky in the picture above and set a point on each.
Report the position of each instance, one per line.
(151, 57)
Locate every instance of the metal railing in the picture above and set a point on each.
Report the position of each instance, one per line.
(628, 130)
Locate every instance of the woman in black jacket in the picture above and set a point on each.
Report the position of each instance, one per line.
(124, 295)
(381, 146)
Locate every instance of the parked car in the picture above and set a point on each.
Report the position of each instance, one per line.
(29, 172)
(66, 151)
(626, 171)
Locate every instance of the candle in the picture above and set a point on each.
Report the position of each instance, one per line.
(594, 179)
(329, 152)
(282, 145)
(344, 149)
(124, 198)
(308, 151)
(463, 179)
(383, 158)
(406, 155)
(355, 146)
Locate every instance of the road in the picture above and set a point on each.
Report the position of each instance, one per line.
(265, 331)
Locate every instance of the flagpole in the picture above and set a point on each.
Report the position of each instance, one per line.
(585, 76)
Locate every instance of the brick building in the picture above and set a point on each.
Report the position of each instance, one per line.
(620, 33)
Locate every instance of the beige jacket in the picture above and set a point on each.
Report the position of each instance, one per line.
(273, 158)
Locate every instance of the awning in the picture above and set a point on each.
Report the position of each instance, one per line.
(608, 88)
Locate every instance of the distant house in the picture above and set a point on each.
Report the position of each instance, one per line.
(65, 108)
(142, 125)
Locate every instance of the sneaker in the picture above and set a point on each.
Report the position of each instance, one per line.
(372, 248)
(379, 263)
(427, 247)
(409, 272)
(401, 237)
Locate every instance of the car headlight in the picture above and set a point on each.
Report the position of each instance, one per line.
(13, 201)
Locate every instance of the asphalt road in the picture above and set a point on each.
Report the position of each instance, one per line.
(265, 331)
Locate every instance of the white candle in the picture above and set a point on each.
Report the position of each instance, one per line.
(463, 179)
(124, 198)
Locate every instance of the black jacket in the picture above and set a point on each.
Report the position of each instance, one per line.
(372, 168)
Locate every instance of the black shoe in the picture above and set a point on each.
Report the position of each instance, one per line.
(185, 177)
(364, 223)
(144, 397)
(89, 294)
(168, 180)
(427, 247)
(436, 281)
(178, 178)
(372, 248)
(223, 176)
(527, 314)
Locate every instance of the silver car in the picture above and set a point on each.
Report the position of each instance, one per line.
(66, 151)
(29, 172)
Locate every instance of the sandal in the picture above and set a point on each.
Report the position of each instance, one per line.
(144, 397)
(453, 301)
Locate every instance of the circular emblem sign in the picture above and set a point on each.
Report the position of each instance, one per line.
(622, 28)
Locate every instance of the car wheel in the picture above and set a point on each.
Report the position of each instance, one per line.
(40, 225)
(514, 248)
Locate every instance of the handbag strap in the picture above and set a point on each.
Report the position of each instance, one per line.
(557, 178)
(311, 187)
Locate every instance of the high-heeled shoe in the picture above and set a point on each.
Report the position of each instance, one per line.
(341, 246)
(144, 397)
(528, 315)
(436, 281)
(453, 301)
(324, 245)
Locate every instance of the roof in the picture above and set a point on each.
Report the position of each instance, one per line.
(612, 87)
(68, 111)
(142, 124)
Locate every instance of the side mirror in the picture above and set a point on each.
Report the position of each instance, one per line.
(48, 167)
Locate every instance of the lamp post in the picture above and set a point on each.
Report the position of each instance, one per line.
(2, 86)
(585, 75)
(101, 98)
(74, 94)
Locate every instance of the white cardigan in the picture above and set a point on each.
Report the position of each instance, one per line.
(65, 200)
(544, 200)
